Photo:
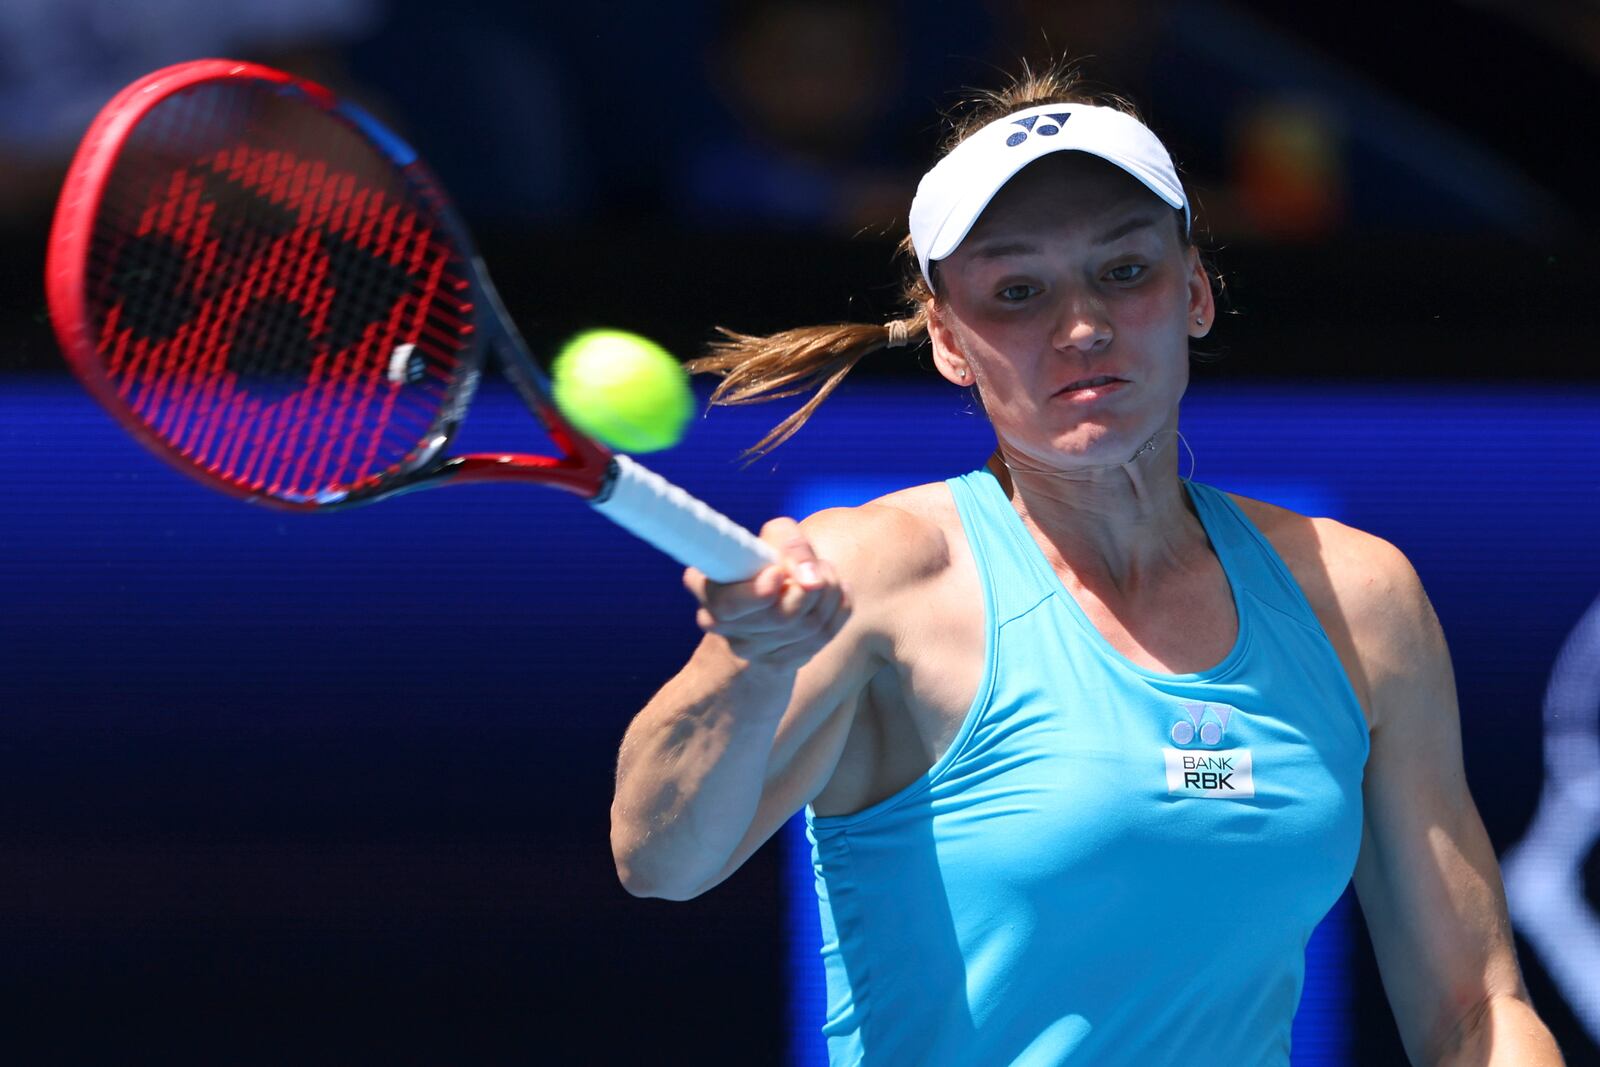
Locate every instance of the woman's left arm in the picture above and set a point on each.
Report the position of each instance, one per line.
(1427, 876)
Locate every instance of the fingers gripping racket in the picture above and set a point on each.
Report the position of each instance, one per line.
(267, 287)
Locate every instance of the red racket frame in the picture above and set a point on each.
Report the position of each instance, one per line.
(586, 466)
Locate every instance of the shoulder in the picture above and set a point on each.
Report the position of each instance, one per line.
(888, 543)
(1363, 569)
(1363, 589)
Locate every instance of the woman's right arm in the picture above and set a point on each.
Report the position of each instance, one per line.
(751, 729)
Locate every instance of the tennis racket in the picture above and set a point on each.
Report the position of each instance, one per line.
(268, 288)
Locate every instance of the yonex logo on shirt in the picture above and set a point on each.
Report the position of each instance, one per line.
(1208, 722)
(1029, 125)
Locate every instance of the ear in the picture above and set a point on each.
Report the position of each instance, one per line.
(948, 354)
(1202, 301)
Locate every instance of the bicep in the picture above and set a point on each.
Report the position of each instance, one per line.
(829, 693)
(1427, 876)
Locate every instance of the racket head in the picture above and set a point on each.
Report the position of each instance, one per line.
(268, 288)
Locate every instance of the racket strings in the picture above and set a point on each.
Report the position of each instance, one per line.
(278, 305)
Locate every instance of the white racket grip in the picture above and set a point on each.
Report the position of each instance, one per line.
(648, 506)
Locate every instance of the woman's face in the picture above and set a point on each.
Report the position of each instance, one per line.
(1071, 305)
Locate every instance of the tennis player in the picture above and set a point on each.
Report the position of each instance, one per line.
(1086, 749)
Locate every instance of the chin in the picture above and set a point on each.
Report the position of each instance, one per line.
(1098, 443)
(1091, 444)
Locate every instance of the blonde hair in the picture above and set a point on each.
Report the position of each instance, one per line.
(757, 369)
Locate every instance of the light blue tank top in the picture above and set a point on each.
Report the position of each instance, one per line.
(1110, 865)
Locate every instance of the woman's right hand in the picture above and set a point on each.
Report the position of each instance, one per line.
(783, 615)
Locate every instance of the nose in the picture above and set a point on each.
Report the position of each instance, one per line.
(1083, 325)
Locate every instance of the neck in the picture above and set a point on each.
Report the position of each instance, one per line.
(1122, 523)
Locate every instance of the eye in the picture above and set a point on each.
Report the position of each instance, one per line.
(1015, 294)
(1127, 272)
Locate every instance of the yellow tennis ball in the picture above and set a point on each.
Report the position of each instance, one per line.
(622, 389)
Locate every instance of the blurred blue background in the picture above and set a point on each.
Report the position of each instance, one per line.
(334, 789)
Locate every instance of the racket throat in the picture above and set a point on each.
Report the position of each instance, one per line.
(577, 476)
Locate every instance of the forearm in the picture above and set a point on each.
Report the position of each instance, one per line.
(691, 771)
(1504, 1032)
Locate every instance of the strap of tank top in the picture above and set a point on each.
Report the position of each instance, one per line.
(1011, 576)
(1248, 557)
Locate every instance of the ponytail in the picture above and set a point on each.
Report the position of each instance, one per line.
(755, 369)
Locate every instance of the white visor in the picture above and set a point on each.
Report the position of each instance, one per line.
(954, 193)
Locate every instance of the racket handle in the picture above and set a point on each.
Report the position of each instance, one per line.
(647, 505)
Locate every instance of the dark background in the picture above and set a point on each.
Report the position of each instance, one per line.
(282, 789)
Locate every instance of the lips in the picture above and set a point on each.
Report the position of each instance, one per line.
(1089, 383)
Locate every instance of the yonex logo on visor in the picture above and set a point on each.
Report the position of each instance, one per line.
(1047, 130)
(952, 195)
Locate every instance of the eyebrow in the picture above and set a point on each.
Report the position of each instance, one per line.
(1012, 248)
